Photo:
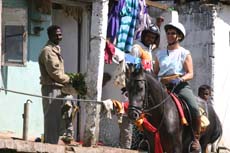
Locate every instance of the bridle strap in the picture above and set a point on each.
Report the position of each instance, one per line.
(162, 102)
(158, 105)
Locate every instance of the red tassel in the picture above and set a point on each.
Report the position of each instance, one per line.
(150, 128)
(180, 110)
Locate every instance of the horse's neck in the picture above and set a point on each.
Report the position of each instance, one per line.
(156, 91)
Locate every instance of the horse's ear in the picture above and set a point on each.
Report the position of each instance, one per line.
(127, 70)
(130, 68)
(133, 67)
(141, 68)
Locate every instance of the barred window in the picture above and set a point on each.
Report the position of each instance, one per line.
(14, 37)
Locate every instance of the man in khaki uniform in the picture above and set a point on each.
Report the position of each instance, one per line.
(52, 79)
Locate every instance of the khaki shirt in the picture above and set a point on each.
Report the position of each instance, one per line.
(52, 66)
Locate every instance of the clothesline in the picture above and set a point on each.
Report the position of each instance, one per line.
(33, 95)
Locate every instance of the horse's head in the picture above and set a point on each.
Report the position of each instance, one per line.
(135, 85)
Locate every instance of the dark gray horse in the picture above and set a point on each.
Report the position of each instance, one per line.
(212, 132)
(148, 96)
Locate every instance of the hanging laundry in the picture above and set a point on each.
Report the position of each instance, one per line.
(113, 53)
(119, 75)
(109, 52)
(118, 56)
(143, 19)
(126, 31)
(133, 60)
(114, 20)
(107, 108)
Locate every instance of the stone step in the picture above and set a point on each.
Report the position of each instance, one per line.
(38, 147)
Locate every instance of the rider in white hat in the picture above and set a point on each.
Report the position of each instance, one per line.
(174, 67)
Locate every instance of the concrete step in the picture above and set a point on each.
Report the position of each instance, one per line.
(38, 147)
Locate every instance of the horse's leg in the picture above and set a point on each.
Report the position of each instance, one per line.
(178, 144)
(213, 147)
(151, 147)
(204, 148)
(172, 143)
(150, 139)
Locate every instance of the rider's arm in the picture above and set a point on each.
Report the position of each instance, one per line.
(188, 66)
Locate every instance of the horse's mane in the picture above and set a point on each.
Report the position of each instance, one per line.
(154, 83)
(150, 77)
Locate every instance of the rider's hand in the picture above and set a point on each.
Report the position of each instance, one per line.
(176, 81)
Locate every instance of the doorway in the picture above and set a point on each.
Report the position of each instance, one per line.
(70, 45)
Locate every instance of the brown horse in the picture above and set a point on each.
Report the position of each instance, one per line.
(148, 96)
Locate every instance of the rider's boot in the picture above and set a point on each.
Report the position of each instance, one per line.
(195, 146)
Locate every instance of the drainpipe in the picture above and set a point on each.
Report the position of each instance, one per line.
(25, 117)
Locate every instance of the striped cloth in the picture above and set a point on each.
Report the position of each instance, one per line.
(114, 19)
(126, 31)
(143, 19)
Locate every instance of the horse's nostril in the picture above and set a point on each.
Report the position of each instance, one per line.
(134, 115)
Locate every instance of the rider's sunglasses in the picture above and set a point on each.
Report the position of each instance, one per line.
(171, 33)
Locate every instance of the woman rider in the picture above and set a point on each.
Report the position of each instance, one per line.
(174, 67)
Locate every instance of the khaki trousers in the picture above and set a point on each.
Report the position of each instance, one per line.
(53, 123)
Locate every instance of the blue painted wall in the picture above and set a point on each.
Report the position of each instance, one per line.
(23, 79)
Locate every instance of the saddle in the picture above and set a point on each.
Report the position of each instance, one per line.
(184, 109)
(179, 104)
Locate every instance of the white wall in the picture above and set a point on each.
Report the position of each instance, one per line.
(208, 32)
(222, 71)
(69, 42)
(109, 128)
(199, 40)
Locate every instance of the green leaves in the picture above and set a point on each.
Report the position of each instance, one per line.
(77, 80)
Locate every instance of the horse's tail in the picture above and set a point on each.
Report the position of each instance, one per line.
(217, 138)
(218, 130)
(217, 134)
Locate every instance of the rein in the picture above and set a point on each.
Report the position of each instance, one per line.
(145, 102)
(146, 98)
(162, 102)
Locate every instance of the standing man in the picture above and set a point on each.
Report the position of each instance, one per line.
(52, 79)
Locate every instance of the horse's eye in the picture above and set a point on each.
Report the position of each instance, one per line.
(140, 88)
